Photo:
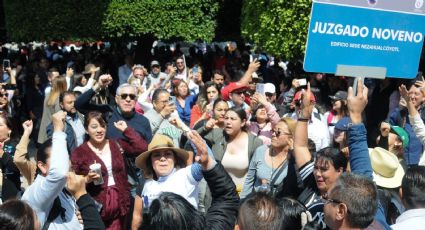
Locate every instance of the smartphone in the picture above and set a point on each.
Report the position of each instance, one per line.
(6, 63)
(259, 88)
(355, 83)
(302, 82)
(195, 70)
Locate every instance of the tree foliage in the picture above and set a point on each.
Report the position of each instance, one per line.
(90, 20)
(278, 26)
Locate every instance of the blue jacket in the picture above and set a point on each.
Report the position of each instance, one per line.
(71, 139)
(137, 121)
(360, 162)
(412, 152)
(184, 113)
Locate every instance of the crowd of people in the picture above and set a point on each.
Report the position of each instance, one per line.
(209, 140)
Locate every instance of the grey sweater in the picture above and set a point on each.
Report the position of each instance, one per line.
(218, 140)
(160, 125)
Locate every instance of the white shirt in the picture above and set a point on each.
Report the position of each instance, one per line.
(413, 219)
(180, 182)
(41, 194)
(107, 160)
(317, 131)
(68, 82)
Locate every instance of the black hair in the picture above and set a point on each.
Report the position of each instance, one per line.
(173, 212)
(157, 92)
(218, 101)
(77, 79)
(413, 187)
(241, 114)
(16, 215)
(42, 154)
(333, 156)
(203, 95)
(260, 211)
(62, 95)
(291, 213)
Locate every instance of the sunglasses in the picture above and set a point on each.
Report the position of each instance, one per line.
(4, 94)
(238, 92)
(278, 133)
(125, 95)
(269, 94)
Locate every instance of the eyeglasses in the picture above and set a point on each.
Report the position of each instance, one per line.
(278, 133)
(4, 94)
(326, 199)
(125, 95)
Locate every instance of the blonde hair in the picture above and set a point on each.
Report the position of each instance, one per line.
(291, 123)
(59, 85)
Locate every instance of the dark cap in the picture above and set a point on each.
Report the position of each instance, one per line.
(340, 95)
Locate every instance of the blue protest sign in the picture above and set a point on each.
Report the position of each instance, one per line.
(366, 33)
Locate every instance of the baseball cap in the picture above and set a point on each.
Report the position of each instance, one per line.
(269, 88)
(340, 95)
(401, 133)
(231, 87)
(342, 124)
(155, 63)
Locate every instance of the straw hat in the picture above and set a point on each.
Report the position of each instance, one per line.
(89, 68)
(387, 170)
(161, 142)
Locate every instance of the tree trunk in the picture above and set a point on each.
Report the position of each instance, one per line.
(143, 50)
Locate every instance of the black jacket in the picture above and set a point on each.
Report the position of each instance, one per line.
(225, 200)
(89, 213)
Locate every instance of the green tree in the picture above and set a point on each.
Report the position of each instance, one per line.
(113, 19)
(122, 20)
(277, 26)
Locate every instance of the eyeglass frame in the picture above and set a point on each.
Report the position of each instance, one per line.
(278, 133)
(326, 200)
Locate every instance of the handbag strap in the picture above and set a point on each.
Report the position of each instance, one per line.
(282, 167)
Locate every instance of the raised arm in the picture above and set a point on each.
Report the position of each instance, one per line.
(301, 153)
(25, 166)
(357, 140)
(83, 103)
(225, 200)
(54, 181)
(134, 143)
(247, 77)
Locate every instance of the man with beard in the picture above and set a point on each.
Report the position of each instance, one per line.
(74, 128)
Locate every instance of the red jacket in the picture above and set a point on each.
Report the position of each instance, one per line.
(82, 157)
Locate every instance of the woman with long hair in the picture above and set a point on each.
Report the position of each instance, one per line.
(81, 84)
(204, 105)
(184, 100)
(338, 111)
(234, 145)
(269, 165)
(110, 188)
(51, 106)
(11, 176)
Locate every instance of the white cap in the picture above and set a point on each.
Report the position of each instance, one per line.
(269, 88)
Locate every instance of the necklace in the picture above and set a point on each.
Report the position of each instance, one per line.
(96, 150)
